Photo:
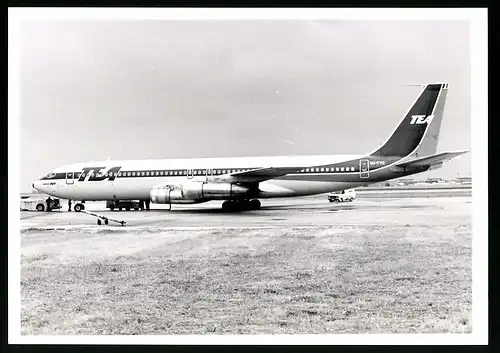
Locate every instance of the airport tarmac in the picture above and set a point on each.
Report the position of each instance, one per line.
(299, 265)
(274, 213)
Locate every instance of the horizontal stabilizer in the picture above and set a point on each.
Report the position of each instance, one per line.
(431, 160)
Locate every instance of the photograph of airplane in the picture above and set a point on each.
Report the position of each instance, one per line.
(241, 181)
(194, 176)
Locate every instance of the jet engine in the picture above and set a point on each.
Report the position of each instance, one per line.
(194, 192)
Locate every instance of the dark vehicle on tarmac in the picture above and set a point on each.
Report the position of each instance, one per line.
(124, 204)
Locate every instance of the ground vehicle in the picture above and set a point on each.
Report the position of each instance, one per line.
(124, 204)
(39, 204)
(341, 196)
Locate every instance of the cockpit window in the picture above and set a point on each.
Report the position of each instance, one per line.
(51, 175)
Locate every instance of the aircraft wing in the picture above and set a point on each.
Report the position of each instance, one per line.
(261, 174)
(431, 160)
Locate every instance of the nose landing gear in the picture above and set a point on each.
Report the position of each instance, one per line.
(79, 207)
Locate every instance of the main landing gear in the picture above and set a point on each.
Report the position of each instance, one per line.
(241, 205)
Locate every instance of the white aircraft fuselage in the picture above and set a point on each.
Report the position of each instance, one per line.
(136, 178)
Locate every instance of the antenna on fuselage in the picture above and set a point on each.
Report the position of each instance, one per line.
(413, 85)
(422, 84)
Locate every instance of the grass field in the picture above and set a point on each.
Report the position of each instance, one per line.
(374, 277)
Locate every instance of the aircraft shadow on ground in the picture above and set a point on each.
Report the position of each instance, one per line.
(255, 212)
(312, 208)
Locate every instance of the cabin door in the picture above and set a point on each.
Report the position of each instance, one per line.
(364, 168)
(70, 178)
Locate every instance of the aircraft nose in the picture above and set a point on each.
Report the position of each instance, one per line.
(36, 185)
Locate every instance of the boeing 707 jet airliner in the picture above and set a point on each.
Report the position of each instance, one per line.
(241, 182)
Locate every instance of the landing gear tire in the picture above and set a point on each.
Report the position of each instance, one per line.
(40, 207)
(106, 222)
(254, 204)
(79, 207)
(127, 208)
(99, 222)
(112, 208)
(227, 206)
(120, 209)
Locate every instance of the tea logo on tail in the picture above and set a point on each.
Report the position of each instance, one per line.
(421, 119)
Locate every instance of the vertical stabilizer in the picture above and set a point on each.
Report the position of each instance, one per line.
(420, 126)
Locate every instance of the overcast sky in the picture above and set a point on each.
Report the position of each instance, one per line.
(178, 89)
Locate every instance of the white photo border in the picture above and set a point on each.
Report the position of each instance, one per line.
(477, 18)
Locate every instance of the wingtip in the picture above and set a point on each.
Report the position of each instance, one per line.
(458, 153)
